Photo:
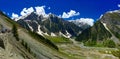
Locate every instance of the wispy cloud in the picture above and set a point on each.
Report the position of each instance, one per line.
(118, 5)
(49, 8)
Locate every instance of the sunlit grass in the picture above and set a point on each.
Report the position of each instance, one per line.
(58, 39)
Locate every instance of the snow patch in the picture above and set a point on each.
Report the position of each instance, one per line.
(105, 26)
(68, 34)
(117, 11)
(52, 34)
(46, 34)
(30, 27)
(39, 30)
(22, 17)
(113, 37)
(60, 33)
(83, 21)
(35, 22)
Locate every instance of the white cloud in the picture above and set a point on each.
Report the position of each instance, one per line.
(84, 21)
(40, 10)
(118, 5)
(4, 12)
(59, 16)
(26, 11)
(8, 14)
(14, 16)
(49, 8)
(69, 14)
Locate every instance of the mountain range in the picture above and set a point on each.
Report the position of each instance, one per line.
(49, 37)
(106, 28)
(51, 25)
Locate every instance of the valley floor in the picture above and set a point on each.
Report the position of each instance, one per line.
(79, 51)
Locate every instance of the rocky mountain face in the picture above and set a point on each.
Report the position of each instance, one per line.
(51, 25)
(107, 28)
(19, 43)
(112, 22)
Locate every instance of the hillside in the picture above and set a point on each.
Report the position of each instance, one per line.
(19, 43)
(105, 29)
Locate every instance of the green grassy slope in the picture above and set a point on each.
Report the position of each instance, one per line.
(94, 34)
(58, 39)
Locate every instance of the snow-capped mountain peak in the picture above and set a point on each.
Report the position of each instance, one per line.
(51, 25)
(83, 22)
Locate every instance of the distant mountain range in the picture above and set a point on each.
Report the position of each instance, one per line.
(51, 25)
(81, 23)
(106, 28)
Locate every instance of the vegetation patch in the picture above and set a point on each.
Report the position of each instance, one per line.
(15, 33)
(109, 43)
(43, 40)
(27, 47)
(58, 39)
(116, 53)
(90, 43)
(106, 43)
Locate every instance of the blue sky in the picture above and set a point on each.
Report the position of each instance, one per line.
(86, 8)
